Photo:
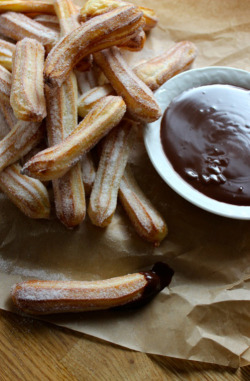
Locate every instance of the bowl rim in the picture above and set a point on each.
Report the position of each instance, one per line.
(164, 95)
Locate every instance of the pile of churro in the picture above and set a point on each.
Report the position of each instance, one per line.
(65, 88)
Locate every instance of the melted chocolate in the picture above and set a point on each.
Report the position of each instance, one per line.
(205, 133)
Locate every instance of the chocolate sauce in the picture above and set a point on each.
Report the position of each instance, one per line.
(157, 279)
(205, 133)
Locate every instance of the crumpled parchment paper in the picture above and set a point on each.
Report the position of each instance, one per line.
(205, 314)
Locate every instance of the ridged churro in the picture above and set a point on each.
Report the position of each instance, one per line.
(67, 14)
(27, 6)
(159, 69)
(136, 43)
(40, 297)
(5, 84)
(113, 160)
(55, 161)
(27, 91)
(6, 51)
(88, 172)
(96, 34)
(28, 194)
(50, 21)
(150, 18)
(8, 114)
(87, 100)
(139, 99)
(18, 26)
(19, 141)
(148, 223)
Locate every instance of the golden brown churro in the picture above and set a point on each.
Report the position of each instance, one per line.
(150, 18)
(55, 161)
(96, 34)
(50, 21)
(67, 14)
(49, 297)
(87, 101)
(6, 51)
(5, 84)
(148, 223)
(18, 26)
(159, 69)
(28, 194)
(88, 173)
(138, 97)
(136, 43)
(113, 160)
(27, 6)
(19, 141)
(27, 92)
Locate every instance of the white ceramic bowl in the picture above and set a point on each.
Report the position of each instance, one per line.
(164, 95)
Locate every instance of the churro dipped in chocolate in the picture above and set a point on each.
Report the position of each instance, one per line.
(28, 194)
(27, 91)
(27, 6)
(148, 223)
(88, 172)
(96, 34)
(159, 69)
(40, 297)
(18, 26)
(56, 161)
(139, 99)
(5, 84)
(7, 49)
(113, 160)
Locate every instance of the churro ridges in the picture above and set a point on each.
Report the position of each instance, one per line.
(8, 114)
(5, 84)
(19, 141)
(50, 21)
(113, 160)
(96, 34)
(136, 43)
(150, 18)
(87, 100)
(139, 99)
(28, 194)
(148, 223)
(88, 173)
(159, 69)
(6, 51)
(67, 14)
(27, 92)
(27, 6)
(55, 161)
(18, 26)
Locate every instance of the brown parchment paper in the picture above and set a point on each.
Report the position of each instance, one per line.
(205, 314)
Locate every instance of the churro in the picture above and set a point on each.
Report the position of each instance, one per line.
(6, 51)
(27, 6)
(159, 69)
(40, 297)
(5, 84)
(67, 14)
(19, 141)
(50, 21)
(27, 92)
(87, 100)
(88, 172)
(148, 223)
(18, 26)
(150, 18)
(139, 99)
(113, 160)
(8, 114)
(136, 43)
(28, 194)
(55, 161)
(96, 34)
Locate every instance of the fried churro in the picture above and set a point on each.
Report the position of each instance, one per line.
(18, 26)
(88, 173)
(55, 161)
(8, 114)
(27, 6)
(151, 20)
(41, 297)
(28, 194)
(19, 141)
(136, 43)
(159, 69)
(139, 99)
(148, 223)
(96, 34)
(50, 21)
(6, 51)
(87, 100)
(5, 84)
(27, 91)
(113, 160)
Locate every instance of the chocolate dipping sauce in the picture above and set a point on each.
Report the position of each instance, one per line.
(205, 133)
